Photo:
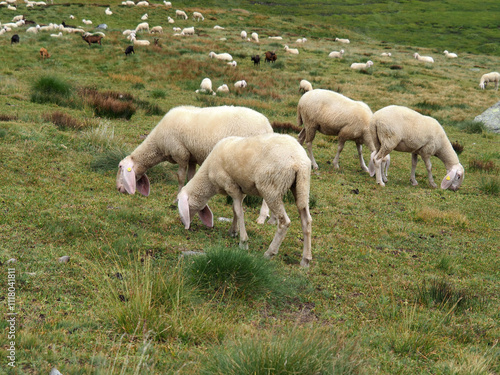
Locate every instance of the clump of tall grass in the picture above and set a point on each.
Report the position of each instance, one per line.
(4, 117)
(101, 137)
(158, 94)
(108, 160)
(443, 293)
(458, 147)
(489, 185)
(109, 104)
(233, 272)
(470, 126)
(52, 89)
(484, 164)
(434, 215)
(63, 121)
(301, 351)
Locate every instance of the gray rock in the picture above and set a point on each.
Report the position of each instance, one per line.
(64, 259)
(491, 118)
(55, 371)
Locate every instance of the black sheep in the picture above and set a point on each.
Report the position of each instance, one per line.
(256, 60)
(129, 50)
(14, 39)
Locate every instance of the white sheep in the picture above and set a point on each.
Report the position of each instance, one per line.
(156, 29)
(331, 113)
(386, 54)
(362, 66)
(293, 51)
(255, 37)
(188, 31)
(341, 40)
(489, 77)
(176, 29)
(243, 34)
(336, 54)
(168, 4)
(301, 40)
(217, 27)
(266, 165)
(450, 55)
(198, 16)
(223, 88)
(87, 22)
(108, 12)
(33, 29)
(170, 20)
(403, 129)
(143, 26)
(275, 37)
(232, 63)
(185, 136)
(240, 84)
(128, 3)
(144, 17)
(220, 56)
(142, 4)
(57, 35)
(181, 14)
(206, 86)
(139, 42)
(305, 86)
(17, 18)
(428, 59)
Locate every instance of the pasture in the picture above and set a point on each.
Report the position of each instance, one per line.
(404, 279)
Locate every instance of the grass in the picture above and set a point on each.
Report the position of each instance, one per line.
(404, 279)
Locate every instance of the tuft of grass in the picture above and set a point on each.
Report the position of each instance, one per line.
(52, 89)
(434, 216)
(485, 164)
(109, 104)
(301, 351)
(429, 105)
(471, 126)
(4, 117)
(63, 121)
(459, 148)
(108, 160)
(445, 264)
(443, 293)
(489, 185)
(158, 94)
(233, 272)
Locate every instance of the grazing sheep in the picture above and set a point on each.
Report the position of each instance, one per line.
(489, 77)
(18, 18)
(243, 34)
(305, 86)
(293, 51)
(185, 136)
(92, 38)
(255, 37)
(156, 29)
(301, 40)
(270, 56)
(275, 37)
(340, 40)
(14, 39)
(188, 31)
(403, 129)
(217, 27)
(386, 54)
(265, 165)
(128, 3)
(198, 16)
(170, 20)
(144, 17)
(206, 86)
(33, 29)
(332, 113)
(168, 4)
(423, 58)
(223, 88)
(139, 42)
(450, 55)
(240, 84)
(59, 35)
(129, 50)
(362, 66)
(108, 12)
(44, 54)
(255, 59)
(181, 14)
(143, 26)
(220, 56)
(336, 54)
(232, 63)
(142, 4)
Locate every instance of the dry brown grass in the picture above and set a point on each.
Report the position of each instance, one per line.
(433, 216)
(63, 120)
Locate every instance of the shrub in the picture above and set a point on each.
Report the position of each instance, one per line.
(52, 89)
(108, 160)
(489, 185)
(109, 104)
(63, 121)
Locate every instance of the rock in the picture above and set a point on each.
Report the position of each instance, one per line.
(12, 260)
(55, 371)
(491, 118)
(64, 259)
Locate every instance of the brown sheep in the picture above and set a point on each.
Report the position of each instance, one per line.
(271, 56)
(92, 38)
(44, 53)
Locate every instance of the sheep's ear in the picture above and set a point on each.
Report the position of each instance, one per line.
(143, 185)
(448, 179)
(128, 177)
(206, 216)
(183, 204)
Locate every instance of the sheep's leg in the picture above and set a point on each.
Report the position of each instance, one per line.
(359, 146)
(264, 213)
(337, 155)
(378, 162)
(414, 160)
(385, 167)
(428, 165)
(306, 222)
(308, 135)
(278, 209)
(239, 220)
(181, 174)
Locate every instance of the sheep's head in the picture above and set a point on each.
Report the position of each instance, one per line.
(187, 210)
(454, 178)
(128, 180)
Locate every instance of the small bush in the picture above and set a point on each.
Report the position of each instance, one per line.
(63, 121)
(489, 185)
(108, 160)
(459, 148)
(51, 89)
(8, 117)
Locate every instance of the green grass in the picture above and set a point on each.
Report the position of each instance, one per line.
(404, 279)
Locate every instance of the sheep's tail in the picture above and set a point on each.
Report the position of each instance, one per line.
(300, 122)
(303, 185)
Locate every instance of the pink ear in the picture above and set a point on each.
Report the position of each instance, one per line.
(206, 216)
(128, 175)
(183, 204)
(143, 185)
(448, 179)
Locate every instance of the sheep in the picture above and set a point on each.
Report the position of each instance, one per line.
(341, 40)
(128, 3)
(243, 34)
(301, 40)
(198, 16)
(255, 37)
(129, 50)
(255, 59)
(87, 22)
(232, 63)
(90, 39)
(181, 14)
(206, 86)
(217, 27)
(336, 54)
(144, 17)
(240, 84)
(176, 29)
(266, 165)
(305, 86)
(108, 11)
(168, 4)
(185, 136)
(59, 35)
(170, 20)
(188, 31)
(220, 56)
(223, 88)
(275, 37)
(293, 51)
(332, 113)
(17, 18)
(386, 54)
(450, 55)
(143, 26)
(489, 77)
(362, 66)
(44, 54)
(156, 29)
(139, 42)
(14, 39)
(428, 59)
(142, 4)
(270, 56)
(33, 29)
(403, 129)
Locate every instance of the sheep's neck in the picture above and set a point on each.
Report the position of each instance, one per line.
(200, 190)
(448, 156)
(146, 156)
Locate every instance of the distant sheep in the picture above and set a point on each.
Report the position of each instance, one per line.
(139, 42)
(217, 27)
(243, 34)
(206, 86)
(270, 56)
(129, 50)
(188, 31)
(489, 77)
(336, 54)
(240, 84)
(142, 4)
(255, 59)
(90, 39)
(168, 4)
(223, 88)
(450, 55)
(301, 40)
(386, 54)
(293, 51)
(220, 56)
(428, 59)
(275, 37)
(156, 29)
(255, 37)
(108, 12)
(305, 86)
(341, 40)
(144, 17)
(181, 14)
(232, 63)
(143, 26)
(362, 66)
(14, 39)
(197, 16)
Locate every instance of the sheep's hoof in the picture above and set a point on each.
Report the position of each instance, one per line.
(233, 233)
(433, 185)
(413, 182)
(305, 263)
(268, 255)
(315, 166)
(262, 219)
(385, 179)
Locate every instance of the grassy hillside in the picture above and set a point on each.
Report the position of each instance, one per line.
(404, 279)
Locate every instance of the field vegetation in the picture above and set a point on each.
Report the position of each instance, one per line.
(404, 279)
